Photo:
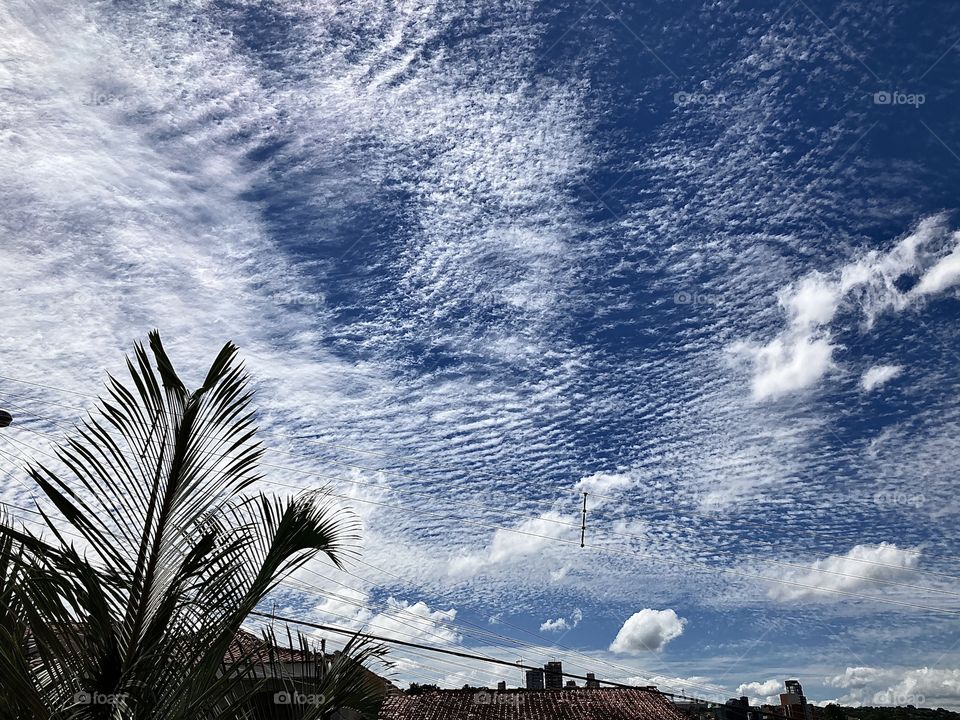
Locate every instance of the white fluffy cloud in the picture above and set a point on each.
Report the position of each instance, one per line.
(941, 276)
(761, 692)
(537, 533)
(850, 572)
(648, 631)
(858, 677)
(558, 625)
(926, 686)
(395, 618)
(788, 364)
(802, 353)
(562, 624)
(878, 375)
(528, 537)
(602, 483)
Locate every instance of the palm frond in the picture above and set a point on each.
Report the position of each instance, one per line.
(173, 558)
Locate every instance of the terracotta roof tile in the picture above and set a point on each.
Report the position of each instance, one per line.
(566, 704)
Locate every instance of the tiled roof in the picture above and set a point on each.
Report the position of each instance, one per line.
(246, 644)
(566, 704)
(250, 648)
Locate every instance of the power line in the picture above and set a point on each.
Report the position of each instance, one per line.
(521, 645)
(625, 552)
(519, 664)
(456, 653)
(393, 614)
(541, 518)
(393, 473)
(484, 634)
(417, 661)
(292, 583)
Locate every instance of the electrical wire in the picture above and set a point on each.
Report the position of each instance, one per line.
(795, 566)
(623, 552)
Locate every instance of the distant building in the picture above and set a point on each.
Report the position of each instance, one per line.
(696, 709)
(794, 702)
(553, 675)
(571, 684)
(535, 679)
(734, 709)
(592, 680)
(501, 686)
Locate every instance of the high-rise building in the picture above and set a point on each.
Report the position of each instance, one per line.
(553, 674)
(794, 703)
(592, 680)
(502, 686)
(535, 679)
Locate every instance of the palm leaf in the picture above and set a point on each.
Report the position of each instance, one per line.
(173, 558)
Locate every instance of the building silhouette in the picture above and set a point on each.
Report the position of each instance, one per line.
(553, 675)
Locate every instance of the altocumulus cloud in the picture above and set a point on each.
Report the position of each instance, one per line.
(648, 631)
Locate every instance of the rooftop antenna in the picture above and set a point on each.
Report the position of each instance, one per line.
(583, 524)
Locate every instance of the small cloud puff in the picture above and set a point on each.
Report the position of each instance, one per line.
(562, 624)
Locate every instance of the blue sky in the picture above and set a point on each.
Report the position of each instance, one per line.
(698, 258)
